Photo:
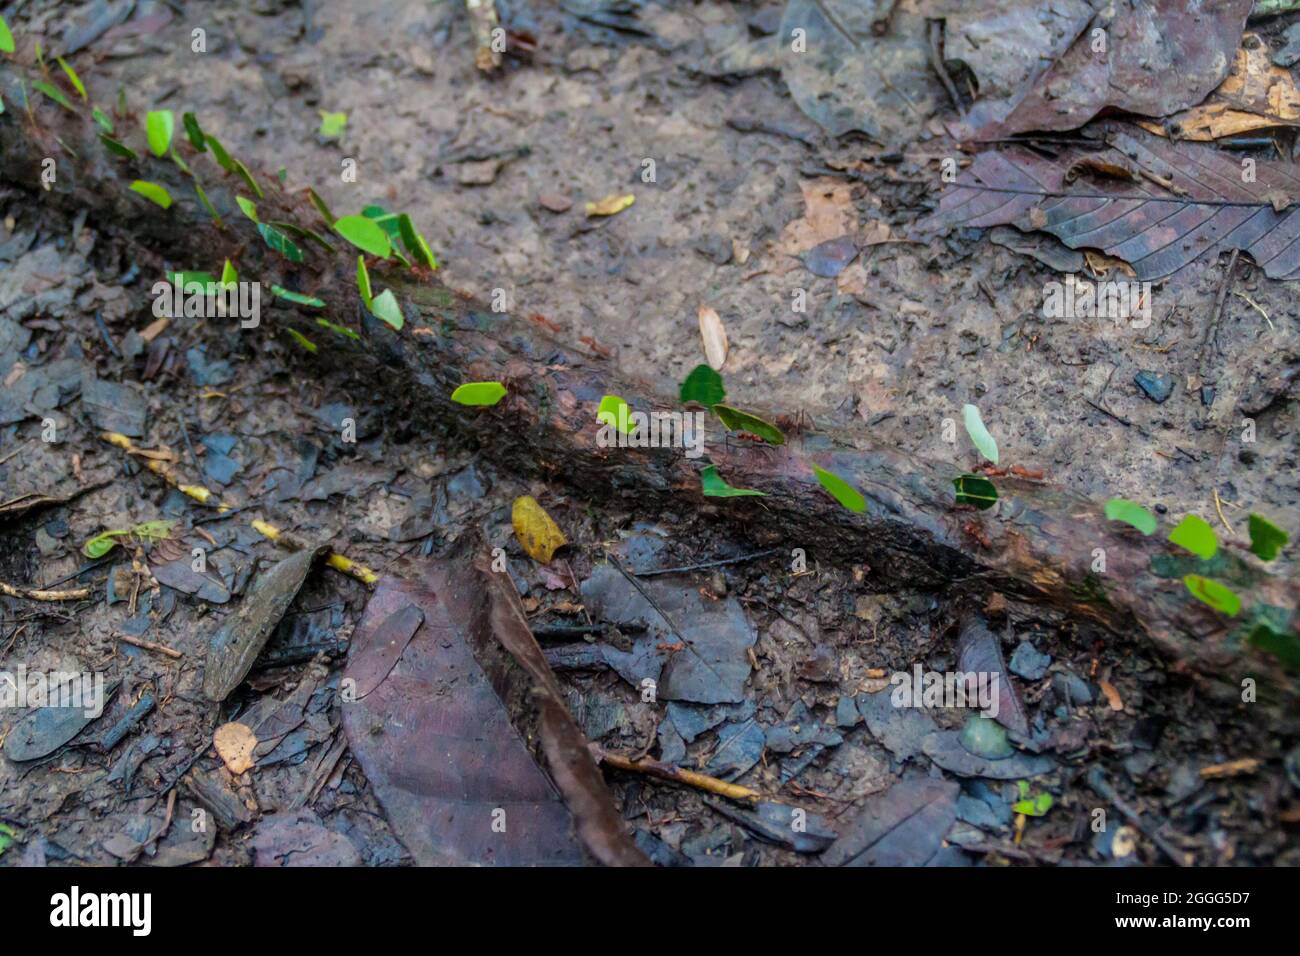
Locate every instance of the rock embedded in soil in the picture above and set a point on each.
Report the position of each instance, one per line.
(1155, 386)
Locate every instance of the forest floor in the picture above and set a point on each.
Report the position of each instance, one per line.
(744, 186)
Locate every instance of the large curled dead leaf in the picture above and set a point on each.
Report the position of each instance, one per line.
(845, 76)
(242, 635)
(1150, 57)
(538, 534)
(1006, 44)
(456, 775)
(1188, 200)
(1256, 95)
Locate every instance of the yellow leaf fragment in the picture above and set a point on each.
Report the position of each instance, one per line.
(611, 204)
(538, 534)
(235, 743)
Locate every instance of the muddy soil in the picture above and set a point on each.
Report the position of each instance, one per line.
(894, 347)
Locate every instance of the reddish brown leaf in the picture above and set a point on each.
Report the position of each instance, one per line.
(1190, 200)
(442, 736)
(1159, 56)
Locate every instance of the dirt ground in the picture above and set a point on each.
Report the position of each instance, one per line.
(894, 347)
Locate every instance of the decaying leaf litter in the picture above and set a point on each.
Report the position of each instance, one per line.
(802, 734)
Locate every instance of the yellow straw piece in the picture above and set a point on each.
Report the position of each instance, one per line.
(160, 468)
(335, 560)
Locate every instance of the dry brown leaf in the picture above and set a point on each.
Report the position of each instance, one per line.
(235, 743)
(538, 534)
(1112, 695)
(1102, 265)
(714, 334)
(611, 204)
(1255, 95)
(828, 214)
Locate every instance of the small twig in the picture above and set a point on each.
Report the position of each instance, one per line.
(936, 63)
(151, 646)
(1106, 411)
(1218, 506)
(40, 594)
(1211, 330)
(1256, 306)
(689, 778)
(707, 564)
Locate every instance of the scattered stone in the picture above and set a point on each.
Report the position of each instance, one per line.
(1028, 662)
(1155, 386)
(846, 712)
(555, 202)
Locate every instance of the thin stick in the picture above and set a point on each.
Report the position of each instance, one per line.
(151, 646)
(1218, 506)
(40, 594)
(1212, 329)
(707, 564)
(689, 778)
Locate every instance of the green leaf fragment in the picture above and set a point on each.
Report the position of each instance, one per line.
(280, 242)
(247, 207)
(703, 385)
(331, 124)
(242, 171)
(6, 38)
(841, 490)
(228, 274)
(102, 543)
(363, 281)
(1132, 513)
(194, 132)
(338, 329)
(219, 153)
(975, 490)
(979, 435)
(414, 242)
(302, 340)
(54, 93)
(479, 393)
(384, 307)
(1221, 598)
(1196, 536)
(363, 233)
(72, 77)
(615, 413)
(103, 119)
(152, 192)
(739, 421)
(714, 486)
(297, 298)
(321, 207)
(119, 149)
(207, 203)
(159, 125)
(1266, 539)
